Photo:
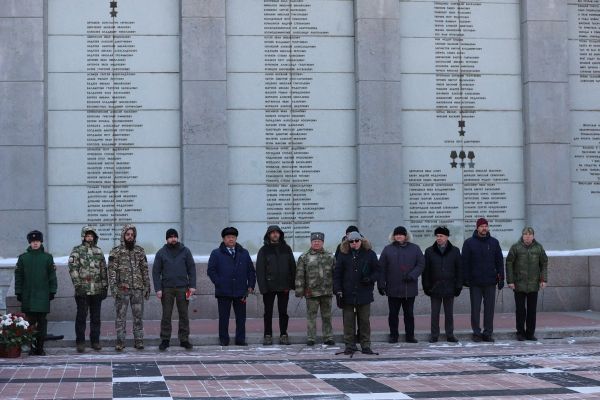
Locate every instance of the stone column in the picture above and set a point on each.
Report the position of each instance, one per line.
(546, 114)
(22, 123)
(379, 140)
(204, 123)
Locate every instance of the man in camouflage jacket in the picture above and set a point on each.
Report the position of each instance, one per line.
(314, 279)
(129, 282)
(87, 268)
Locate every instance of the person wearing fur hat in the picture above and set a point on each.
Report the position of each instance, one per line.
(174, 277)
(402, 263)
(276, 275)
(231, 270)
(483, 271)
(442, 281)
(35, 287)
(354, 277)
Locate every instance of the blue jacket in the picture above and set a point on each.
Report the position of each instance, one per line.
(482, 261)
(232, 276)
(401, 266)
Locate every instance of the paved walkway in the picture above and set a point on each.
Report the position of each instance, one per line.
(547, 369)
(204, 331)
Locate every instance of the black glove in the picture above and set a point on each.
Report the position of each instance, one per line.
(457, 292)
(339, 300)
(382, 291)
(19, 298)
(366, 281)
(500, 285)
(427, 292)
(467, 283)
(409, 278)
(51, 296)
(103, 294)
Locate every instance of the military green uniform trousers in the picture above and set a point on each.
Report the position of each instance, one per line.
(363, 313)
(312, 307)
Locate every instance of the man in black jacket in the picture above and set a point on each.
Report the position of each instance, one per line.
(276, 275)
(174, 276)
(442, 281)
(354, 277)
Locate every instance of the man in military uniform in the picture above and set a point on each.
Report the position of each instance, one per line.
(35, 287)
(314, 280)
(87, 268)
(129, 282)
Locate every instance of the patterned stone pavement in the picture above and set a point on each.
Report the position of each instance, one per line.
(547, 369)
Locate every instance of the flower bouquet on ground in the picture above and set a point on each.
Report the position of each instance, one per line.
(15, 331)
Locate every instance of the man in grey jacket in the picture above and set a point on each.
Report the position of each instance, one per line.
(174, 276)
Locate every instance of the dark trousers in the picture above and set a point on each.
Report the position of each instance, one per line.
(239, 309)
(282, 304)
(436, 305)
(487, 293)
(526, 305)
(352, 314)
(171, 296)
(407, 304)
(93, 304)
(40, 323)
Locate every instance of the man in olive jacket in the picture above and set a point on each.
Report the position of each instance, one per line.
(526, 273)
(275, 273)
(35, 286)
(442, 281)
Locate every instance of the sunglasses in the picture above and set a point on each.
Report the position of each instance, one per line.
(355, 241)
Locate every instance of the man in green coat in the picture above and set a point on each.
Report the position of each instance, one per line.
(526, 273)
(35, 286)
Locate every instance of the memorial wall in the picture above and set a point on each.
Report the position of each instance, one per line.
(462, 130)
(291, 118)
(113, 120)
(584, 122)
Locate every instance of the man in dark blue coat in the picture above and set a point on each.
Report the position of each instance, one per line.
(482, 271)
(231, 270)
(356, 271)
(401, 263)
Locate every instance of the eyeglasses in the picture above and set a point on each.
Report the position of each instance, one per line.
(355, 241)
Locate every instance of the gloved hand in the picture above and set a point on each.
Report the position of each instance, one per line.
(80, 291)
(382, 291)
(427, 292)
(51, 296)
(467, 283)
(500, 285)
(409, 278)
(339, 300)
(147, 294)
(366, 281)
(19, 298)
(103, 294)
(457, 292)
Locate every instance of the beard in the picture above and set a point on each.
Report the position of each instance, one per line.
(129, 244)
(172, 245)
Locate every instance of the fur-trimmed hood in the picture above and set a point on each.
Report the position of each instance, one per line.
(345, 246)
(87, 229)
(408, 237)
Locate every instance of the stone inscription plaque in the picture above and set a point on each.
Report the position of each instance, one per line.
(584, 85)
(462, 113)
(113, 120)
(291, 118)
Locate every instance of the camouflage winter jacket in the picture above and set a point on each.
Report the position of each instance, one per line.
(128, 269)
(314, 274)
(87, 266)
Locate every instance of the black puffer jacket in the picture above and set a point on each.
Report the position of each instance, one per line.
(355, 273)
(442, 276)
(275, 265)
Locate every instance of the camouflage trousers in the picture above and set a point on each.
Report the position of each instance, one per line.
(122, 301)
(312, 306)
